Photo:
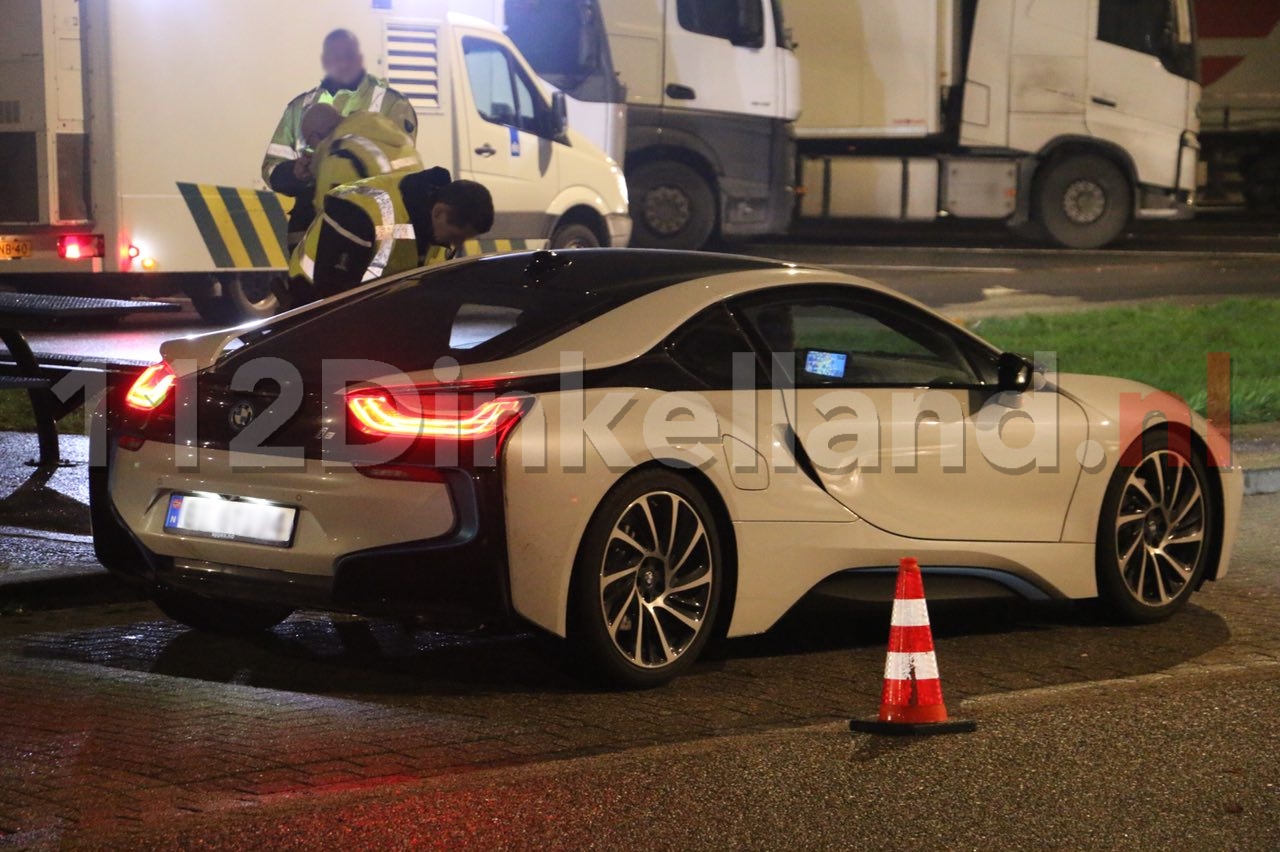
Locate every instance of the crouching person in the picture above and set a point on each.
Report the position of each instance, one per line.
(385, 225)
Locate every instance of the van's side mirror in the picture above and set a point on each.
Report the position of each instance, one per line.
(559, 118)
(1013, 373)
(749, 26)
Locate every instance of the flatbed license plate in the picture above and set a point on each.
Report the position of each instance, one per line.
(230, 519)
(13, 248)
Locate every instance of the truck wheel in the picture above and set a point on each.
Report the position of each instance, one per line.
(244, 297)
(574, 235)
(672, 207)
(1084, 201)
(1262, 183)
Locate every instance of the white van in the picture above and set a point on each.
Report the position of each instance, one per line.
(141, 128)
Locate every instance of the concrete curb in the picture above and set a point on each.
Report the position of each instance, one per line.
(1263, 480)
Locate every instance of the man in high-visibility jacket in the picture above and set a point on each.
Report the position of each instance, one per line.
(385, 225)
(359, 146)
(349, 89)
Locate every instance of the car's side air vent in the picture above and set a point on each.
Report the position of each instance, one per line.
(10, 112)
(413, 63)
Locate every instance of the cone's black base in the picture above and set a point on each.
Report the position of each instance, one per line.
(913, 729)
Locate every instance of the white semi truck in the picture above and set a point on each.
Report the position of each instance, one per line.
(1240, 110)
(697, 96)
(132, 133)
(1064, 118)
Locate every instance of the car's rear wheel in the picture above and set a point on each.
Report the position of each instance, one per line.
(219, 616)
(1155, 535)
(648, 582)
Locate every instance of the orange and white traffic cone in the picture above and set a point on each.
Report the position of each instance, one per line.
(911, 701)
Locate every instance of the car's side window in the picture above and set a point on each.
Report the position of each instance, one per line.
(706, 345)
(836, 340)
(502, 92)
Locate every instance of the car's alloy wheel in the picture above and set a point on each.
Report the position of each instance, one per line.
(648, 580)
(1156, 533)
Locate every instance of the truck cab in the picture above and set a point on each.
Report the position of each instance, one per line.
(712, 89)
(1065, 119)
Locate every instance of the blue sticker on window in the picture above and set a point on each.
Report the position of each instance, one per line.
(515, 140)
(827, 364)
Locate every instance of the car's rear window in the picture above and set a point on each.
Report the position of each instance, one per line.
(473, 312)
(411, 326)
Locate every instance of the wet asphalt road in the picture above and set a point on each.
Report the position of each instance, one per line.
(123, 729)
(1176, 761)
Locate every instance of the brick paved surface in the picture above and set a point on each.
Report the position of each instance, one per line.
(113, 715)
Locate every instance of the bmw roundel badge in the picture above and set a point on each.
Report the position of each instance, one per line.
(241, 415)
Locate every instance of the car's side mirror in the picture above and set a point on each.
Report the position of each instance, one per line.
(1013, 372)
(559, 118)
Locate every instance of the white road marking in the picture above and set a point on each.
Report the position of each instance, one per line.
(998, 292)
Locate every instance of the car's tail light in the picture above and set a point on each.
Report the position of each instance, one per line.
(460, 417)
(151, 388)
(80, 246)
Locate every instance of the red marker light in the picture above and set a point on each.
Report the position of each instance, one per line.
(78, 246)
(151, 388)
(377, 413)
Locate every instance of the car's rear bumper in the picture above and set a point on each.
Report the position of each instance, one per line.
(353, 552)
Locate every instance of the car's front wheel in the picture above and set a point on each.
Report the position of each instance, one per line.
(648, 582)
(219, 616)
(1155, 535)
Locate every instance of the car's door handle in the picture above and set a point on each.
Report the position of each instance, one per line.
(486, 150)
(680, 93)
(1106, 102)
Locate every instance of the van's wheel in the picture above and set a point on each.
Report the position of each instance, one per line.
(1156, 531)
(648, 581)
(219, 616)
(1083, 201)
(672, 206)
(574, 235)
(245, 297)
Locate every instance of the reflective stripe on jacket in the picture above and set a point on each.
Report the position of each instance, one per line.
(372, 95)
(395, 244)
(364, 145)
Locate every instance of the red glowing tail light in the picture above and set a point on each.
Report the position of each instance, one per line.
(151, 388)
(80, 246)
(383, 414)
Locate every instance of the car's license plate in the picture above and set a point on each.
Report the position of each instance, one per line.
(231, 519)
(12, 248)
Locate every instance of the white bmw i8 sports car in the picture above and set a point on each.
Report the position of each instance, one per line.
(637, 451)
